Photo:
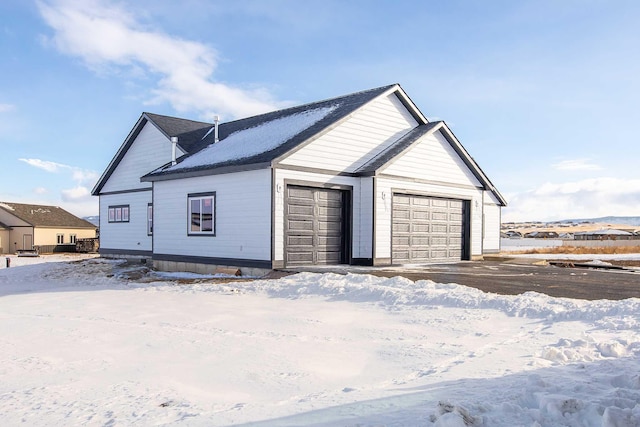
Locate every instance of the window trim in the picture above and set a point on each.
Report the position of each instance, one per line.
(59, 239)
(118, 213)
(202, 196)
(149, 219)
(73, 238)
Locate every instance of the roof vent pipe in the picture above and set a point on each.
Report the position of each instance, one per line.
(216, 121)
(174, 144)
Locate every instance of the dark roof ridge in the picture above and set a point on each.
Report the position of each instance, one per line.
(293, 108)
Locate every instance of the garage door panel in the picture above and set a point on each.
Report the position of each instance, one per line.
(420, 215)
(420, 227)
(300, 210)
(401, 227)
(426, 229)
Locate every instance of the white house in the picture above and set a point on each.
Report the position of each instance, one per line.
(361, 179)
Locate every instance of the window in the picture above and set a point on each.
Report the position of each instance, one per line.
(60, 238)
(149, 219)
(119, 213)
(202, 214)
(72, 238)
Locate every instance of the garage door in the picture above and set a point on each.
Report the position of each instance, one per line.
(427, 229)
(314, 226)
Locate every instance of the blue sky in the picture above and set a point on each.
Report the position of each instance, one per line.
(543, 94)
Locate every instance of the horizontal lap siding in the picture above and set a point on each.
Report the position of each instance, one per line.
(433, 158)
(360, 138)
(385, 187)
(242, 216)
(491, 228)
(362, 211)
(130, 235)
(150, 150)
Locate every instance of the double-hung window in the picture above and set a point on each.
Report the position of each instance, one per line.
(202, 214)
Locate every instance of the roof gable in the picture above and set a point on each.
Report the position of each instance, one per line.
(44, 216)
(379, 163)
(189, 133)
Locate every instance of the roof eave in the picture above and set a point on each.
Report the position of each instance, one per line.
(214, 170)
(472, 164)
(128, 141)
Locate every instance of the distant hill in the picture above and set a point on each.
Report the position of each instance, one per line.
(626, 220)
(95, 220)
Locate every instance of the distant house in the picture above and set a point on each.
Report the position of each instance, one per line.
(361, 179)
(25, 227)
(542, 235)
(605, 234)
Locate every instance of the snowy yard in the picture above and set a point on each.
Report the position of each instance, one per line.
(80, 346)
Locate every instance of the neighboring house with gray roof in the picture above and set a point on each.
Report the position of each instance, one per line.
(27, 226)
(360, 179)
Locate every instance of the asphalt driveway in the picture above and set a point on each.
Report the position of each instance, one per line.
(513, 277)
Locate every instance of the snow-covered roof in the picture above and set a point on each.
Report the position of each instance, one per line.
(260, 139)
(253, 141)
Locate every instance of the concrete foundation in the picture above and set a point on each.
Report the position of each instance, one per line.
(197, 268)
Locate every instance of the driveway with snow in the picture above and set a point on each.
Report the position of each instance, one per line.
(81, 345)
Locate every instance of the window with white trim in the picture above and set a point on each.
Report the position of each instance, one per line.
(73, 238)
(202, 214)
(119, 213)
(149, 219)
(60, 239)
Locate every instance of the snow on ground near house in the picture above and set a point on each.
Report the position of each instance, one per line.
(79, 346)
(256, 140)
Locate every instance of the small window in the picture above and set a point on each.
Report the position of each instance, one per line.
(119, 213)
(60, 239)
(72, 239)
(149, 219)
(202, 214)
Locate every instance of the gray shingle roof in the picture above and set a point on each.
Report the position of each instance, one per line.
(45, 216)
(342, 107)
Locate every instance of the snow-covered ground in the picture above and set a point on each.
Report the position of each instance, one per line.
(82, 346)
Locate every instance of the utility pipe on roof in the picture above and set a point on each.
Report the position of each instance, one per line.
(174, 146)
(216, 121)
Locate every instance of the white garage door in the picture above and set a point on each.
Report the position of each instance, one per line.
(427, 229)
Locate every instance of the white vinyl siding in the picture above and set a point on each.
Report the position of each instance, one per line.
(491, 242)
(433, 159)
(132, 235)
(385, 187)
(150, 150)
(361, 209)
(357, 140)
(242, 215)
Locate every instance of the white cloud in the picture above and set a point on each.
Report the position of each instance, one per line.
(83, 179)
(106, 35)
(580, 199)
(5, 108)
(45, 165)
(576, 165)
(40, 190)
(76, 194)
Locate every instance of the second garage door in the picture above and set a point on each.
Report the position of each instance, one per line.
(428, 229)
(314, 226)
